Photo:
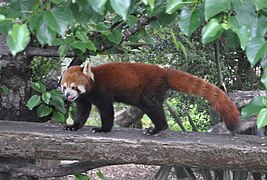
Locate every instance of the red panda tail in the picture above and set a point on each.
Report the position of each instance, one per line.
(187, 83)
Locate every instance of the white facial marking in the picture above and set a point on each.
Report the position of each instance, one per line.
(72, 85)
(63, 87)
(81, 88)
(70, 91)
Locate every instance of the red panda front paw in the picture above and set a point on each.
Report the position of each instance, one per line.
(71, 128)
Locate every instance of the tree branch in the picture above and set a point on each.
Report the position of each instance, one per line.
(55, 171)
(121, 146)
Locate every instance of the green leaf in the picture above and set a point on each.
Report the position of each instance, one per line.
(148, 39)
(45, 34)
(46, 96)
(4, 89)
(57, 2)
(21, 8)
(245, 14)
(262, 118)
(33, 102)
(43, 110)
(57, 19)
(179, 45)
(61, 109)
(5, 25)
(261, 25)
(174, 5)
(121, 7)
(90, 45)
(214, 7)
(253, 108)
(57, 42)
(63, 50)
(56, 101)
(38, 86)
(34, 21)
(18, 38)
(244, 35)
(79, 45)
(256, 48)
(211, 31)
(81, 177)
(101, 175)
(166, 19)
(98, 5)
(82, 36)
(131, 21)
(189, 21)
(51, 21)
(264, 77)
(59, 117)
(115, 36)
(260, 4)
(151, 3)
(232, 39)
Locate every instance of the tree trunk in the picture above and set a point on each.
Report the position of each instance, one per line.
(15, 90)
(15, 85)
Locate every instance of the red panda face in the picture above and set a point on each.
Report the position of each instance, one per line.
(76, 81)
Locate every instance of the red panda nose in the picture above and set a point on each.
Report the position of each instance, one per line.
(68, 94)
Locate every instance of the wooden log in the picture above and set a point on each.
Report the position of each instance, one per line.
(123, 146)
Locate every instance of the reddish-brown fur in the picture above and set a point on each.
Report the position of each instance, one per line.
(145, 85)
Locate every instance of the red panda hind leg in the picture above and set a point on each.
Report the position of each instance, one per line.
(157, 115)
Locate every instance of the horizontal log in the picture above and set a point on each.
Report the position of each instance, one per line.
(123, 146)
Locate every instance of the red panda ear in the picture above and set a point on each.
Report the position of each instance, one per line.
(87, 70)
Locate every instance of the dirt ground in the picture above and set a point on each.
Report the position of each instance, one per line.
(124, 172)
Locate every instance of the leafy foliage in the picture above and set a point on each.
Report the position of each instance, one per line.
(48, 103)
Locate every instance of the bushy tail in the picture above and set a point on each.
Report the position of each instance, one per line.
(187, 83)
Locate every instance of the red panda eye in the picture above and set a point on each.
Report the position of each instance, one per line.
(64, 88)
(73, 87)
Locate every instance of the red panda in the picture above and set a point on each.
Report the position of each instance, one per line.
(141, 85)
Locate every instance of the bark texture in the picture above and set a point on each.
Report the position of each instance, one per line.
(123, 146)
(15, 76)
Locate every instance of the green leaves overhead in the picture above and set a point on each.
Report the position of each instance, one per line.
(189, 20)
(98, 5)
(174, 5)
(121, 7)
(18, 38)
(256, 48)
(214, 7)
(44, 34)
(57, 19)
(211, 31)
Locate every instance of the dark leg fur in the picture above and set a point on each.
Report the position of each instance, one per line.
(107, 118)
(157, 116)
(83, 111)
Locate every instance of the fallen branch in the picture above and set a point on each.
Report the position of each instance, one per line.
(124, 146)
